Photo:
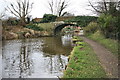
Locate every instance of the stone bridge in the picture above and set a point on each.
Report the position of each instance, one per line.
(60, 25)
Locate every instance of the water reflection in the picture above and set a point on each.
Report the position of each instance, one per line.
(66, 40)
(25, 61)
(35, 58)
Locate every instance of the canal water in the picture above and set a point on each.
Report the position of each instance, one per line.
(44, 57)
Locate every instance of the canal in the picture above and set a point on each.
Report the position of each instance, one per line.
(44, 57)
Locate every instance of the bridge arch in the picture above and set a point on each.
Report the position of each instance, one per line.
(59, 27)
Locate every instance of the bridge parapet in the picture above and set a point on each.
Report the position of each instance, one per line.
(71, 23)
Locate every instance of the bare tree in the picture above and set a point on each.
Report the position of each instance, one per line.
(21, 9)
(2, 14)
(105, 6)
(57, 7)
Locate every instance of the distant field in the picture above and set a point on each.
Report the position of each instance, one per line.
(47, 26)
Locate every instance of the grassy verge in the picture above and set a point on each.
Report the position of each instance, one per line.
(110, 44)
(84, 63)
(47, 27)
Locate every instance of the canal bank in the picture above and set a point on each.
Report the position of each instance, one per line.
(84, 63)
(20, 32)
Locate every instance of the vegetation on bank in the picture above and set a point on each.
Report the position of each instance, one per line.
(28, 31)
(104, 31)
(110, 44)
(108, 25)
(82, 21)
(34, 27)
(48, 18)
(83, 63)
(47, 27)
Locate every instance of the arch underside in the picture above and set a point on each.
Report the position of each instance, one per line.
(58, 28)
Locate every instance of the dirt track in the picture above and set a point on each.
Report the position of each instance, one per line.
(108, 61)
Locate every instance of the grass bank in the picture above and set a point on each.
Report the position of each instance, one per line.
(47, 27)
(110, 44)
(28, 31)
(84, 63)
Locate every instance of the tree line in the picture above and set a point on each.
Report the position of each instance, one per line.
(109, 18)
(22, 8)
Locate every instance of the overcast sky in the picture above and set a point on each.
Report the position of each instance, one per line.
(77, 7)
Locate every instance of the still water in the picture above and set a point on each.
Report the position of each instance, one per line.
(44, 57)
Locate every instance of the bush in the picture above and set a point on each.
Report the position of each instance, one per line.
(79, 43)
(15, 22)
(34, 27)
(91, 28)
(12, 22)
(107, 24)
(82, 20)
(75, 37)
(48, 18)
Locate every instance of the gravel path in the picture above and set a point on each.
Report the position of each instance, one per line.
(108, 61)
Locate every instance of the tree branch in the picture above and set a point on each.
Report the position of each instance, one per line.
(12, 12)
(94, 7)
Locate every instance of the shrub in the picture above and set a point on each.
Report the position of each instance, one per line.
(80, 43)
(48, 18)
(75, 37)
(14, 22)
(82, 20)
(91, 28)
(107, 24)
(34, 27)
